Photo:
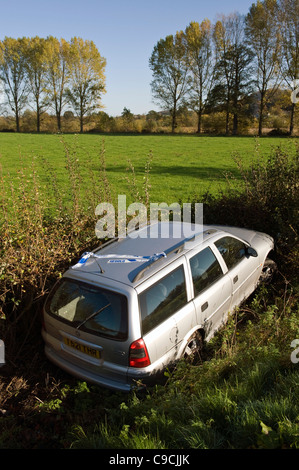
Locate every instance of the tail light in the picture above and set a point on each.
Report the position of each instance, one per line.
(138, 355)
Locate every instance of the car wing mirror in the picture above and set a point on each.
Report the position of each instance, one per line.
(251, 251)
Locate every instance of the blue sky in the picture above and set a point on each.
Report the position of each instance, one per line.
(125, 33)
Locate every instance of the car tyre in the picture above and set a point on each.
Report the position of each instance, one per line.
(194, 347)
(268, 271)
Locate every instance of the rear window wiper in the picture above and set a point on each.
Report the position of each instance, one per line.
(92, 315)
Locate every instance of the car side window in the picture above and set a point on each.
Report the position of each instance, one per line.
(205, 270)
(232, 250)
(163, 299)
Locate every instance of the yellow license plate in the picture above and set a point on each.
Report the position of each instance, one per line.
(82, 348)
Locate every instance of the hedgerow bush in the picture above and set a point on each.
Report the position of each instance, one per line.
(38, 239)
(268, 201)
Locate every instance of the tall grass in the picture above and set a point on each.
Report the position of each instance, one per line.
(244, 395)
(40, 235)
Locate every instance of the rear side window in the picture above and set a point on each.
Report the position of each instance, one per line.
(163, 299)
(205, 270)
(89, 308)
(232, 250)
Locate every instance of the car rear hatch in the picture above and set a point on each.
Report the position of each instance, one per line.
(86, 331)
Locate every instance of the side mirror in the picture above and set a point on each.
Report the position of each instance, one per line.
(251, 252)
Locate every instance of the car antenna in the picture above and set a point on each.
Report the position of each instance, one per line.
(101, 269)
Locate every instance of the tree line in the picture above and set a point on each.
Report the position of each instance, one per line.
(51, 73)
(208, 67)
(236, 67)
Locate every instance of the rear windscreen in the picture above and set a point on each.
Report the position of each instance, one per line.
(86, 307)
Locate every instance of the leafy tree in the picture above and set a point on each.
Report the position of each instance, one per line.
(232, 71)
(104, 121)
(201, 62)
(169, 65)
(86, 77)
(13, 75)
(263, 37)
(153, 115)
(57, 74)
(127, 114)
(36, 57)
(288, 24)
(223, 71)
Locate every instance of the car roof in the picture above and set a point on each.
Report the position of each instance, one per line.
(169, 238)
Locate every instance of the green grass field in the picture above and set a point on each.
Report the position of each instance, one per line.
(181, 165)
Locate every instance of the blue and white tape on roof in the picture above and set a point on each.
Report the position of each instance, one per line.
(113, 258)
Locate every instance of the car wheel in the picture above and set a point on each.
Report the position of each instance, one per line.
(194, 347)
(268, 271)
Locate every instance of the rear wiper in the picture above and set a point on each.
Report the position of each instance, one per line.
(92, 315)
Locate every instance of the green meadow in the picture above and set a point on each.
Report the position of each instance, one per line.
(181, 166)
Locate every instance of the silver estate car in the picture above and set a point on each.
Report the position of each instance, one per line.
(136, 305)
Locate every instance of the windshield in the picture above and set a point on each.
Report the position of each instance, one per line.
(89, 308)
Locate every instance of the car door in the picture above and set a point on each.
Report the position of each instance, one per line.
(242, 269)
(212, 289)
(165, 313)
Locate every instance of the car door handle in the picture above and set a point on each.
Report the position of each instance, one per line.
(204, 306)
(236, 278)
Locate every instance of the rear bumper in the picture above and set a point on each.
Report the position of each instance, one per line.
(85, 374)
(108, 375)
